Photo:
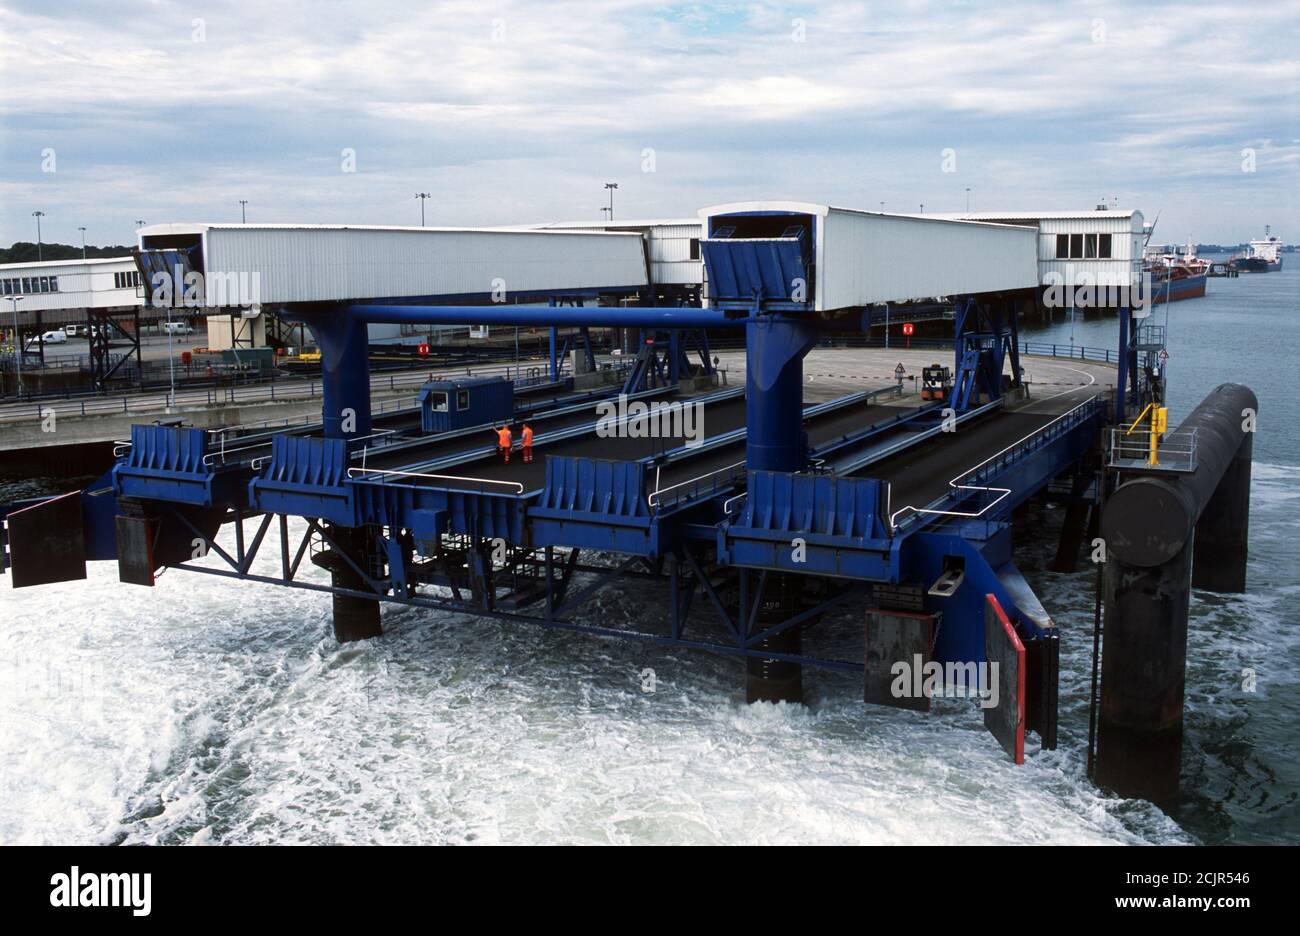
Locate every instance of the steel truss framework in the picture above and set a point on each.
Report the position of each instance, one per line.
(104, 330)
(687, 572)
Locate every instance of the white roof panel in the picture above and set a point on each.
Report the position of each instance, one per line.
(1031, 215)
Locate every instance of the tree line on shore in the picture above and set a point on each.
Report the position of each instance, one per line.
(25, 252)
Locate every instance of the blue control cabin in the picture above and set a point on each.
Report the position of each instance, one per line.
(459, 403)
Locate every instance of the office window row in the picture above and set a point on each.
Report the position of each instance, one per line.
(1083, 246)
(126, 280)
(22, 285)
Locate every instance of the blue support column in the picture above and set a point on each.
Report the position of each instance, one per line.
(960, 311)
(1014, 345)
(1121, 382)
(344, 343)
(554, 332)
(705, 354)
(775, 348)
(345, 371)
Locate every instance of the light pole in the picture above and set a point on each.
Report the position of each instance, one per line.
(38, 215)
(83, 242)
(604, 212)
(423, 197)
(611, 186)
(171, 362)
(18, 345)
(968, 198)
(139, 223)
(243, 214)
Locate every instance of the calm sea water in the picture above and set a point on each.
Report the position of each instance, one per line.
(207, 711)
(1241, 766)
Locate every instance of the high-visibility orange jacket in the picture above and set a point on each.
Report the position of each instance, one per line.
(503, 437)
(528, 436)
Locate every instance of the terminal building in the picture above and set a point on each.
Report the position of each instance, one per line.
(1102, 247)
(60, 292)
(672, 249)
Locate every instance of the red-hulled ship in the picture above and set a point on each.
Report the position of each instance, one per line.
(1176, 275)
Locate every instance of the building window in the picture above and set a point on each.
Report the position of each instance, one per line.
(126, 280)
(462, 399)
(1090, 246)
(27, 285)
(1062, 246)
(1103, 246)
(54, 284)
(45, 284)
(695, 248)
(1076, 246)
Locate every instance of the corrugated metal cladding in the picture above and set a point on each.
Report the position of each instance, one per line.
(1114, 272)
(307, 264)
(671, 247)
(865, 258)
(1124, 225)
(669, 243)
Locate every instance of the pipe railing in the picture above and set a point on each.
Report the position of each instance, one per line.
(968, 482)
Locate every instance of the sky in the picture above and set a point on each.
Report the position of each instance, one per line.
(520, 112)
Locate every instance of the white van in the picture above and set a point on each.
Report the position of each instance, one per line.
(177, 328)
(58, 336)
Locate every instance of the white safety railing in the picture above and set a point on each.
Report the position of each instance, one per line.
(955, 484)
(360, 472)
(220, 456)
(655, 497)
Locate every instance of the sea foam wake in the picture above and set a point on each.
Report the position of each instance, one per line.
(210, 711)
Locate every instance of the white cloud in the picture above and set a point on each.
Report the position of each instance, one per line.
(517, 111)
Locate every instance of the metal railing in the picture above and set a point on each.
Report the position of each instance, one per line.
(283, 389)
(1131, 449)
(977, 480)
(710, 483)
(1070, 351)
(1149, 338)
(1036, 348)
(479, 484)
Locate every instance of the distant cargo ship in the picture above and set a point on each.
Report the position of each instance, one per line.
(1176, 283)
(1176, 275)
(1262, 256)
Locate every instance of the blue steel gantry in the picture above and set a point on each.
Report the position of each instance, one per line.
(773, 516)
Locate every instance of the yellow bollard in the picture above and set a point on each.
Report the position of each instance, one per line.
(1159, 423)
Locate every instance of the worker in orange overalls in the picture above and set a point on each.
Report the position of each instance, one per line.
(527, 436)
(504, 443)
